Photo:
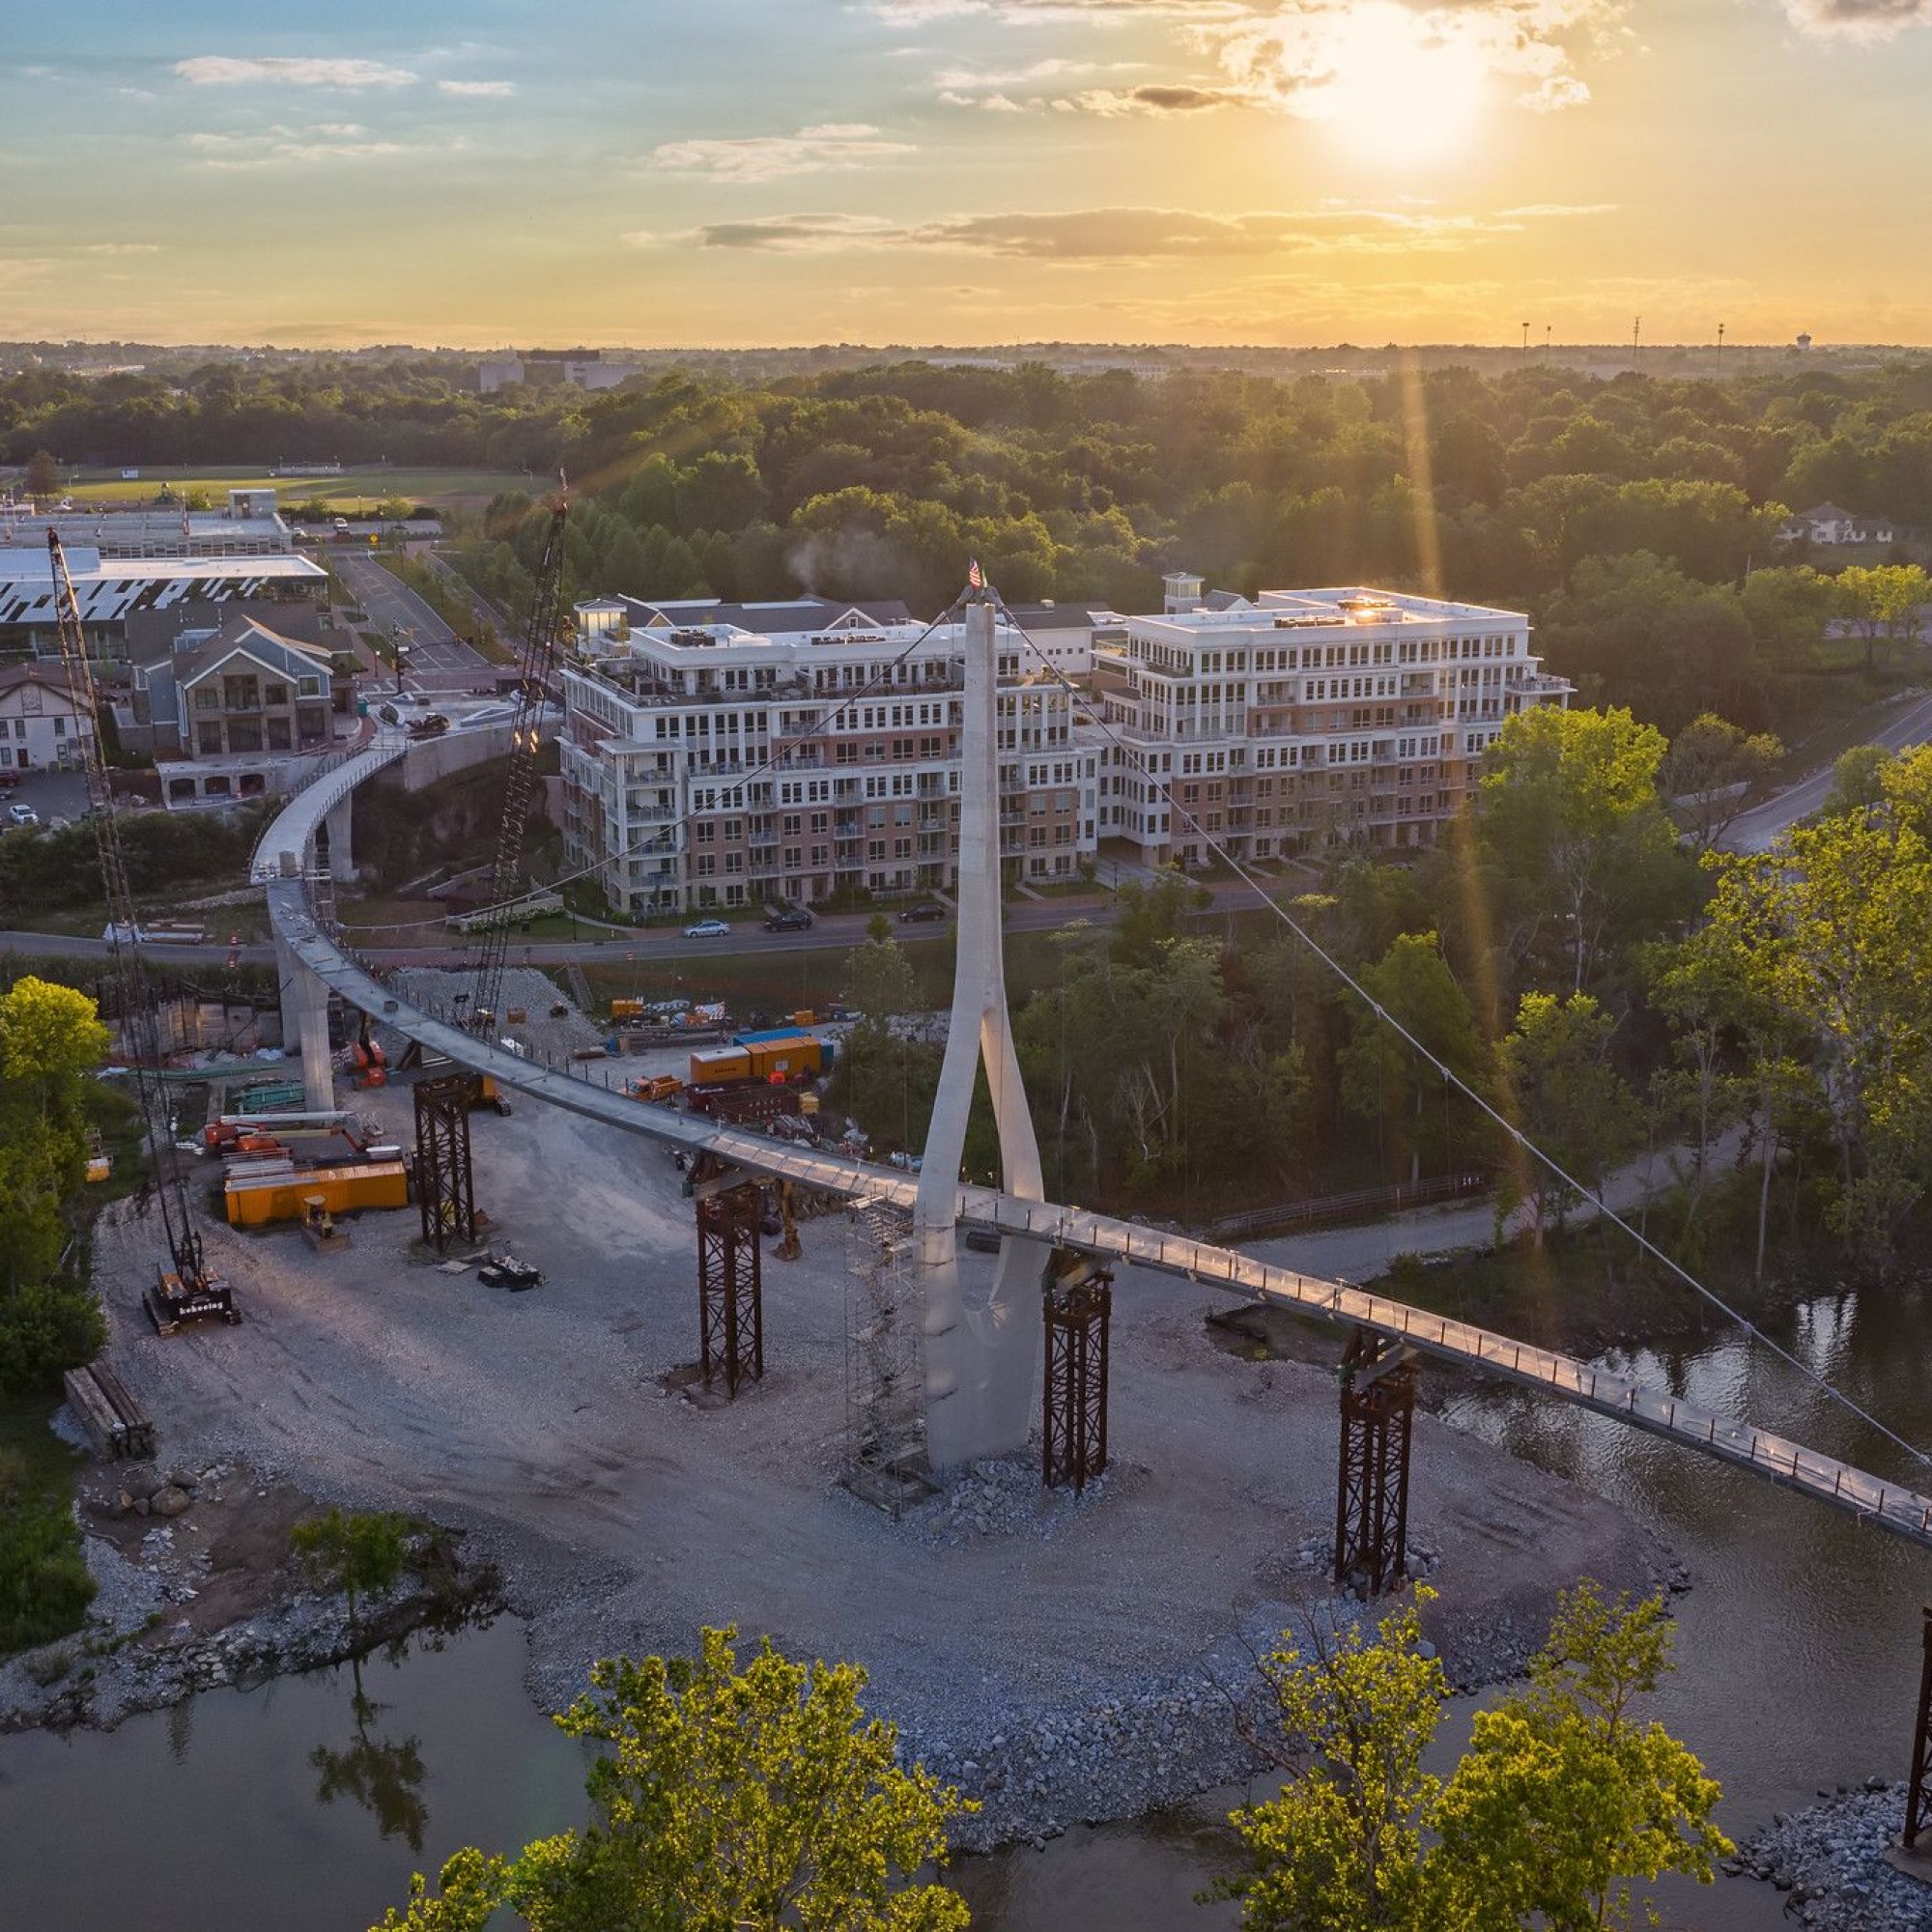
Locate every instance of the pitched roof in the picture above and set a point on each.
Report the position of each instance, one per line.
(795, 613)
(49, 677)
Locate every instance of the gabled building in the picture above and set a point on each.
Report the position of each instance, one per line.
(43, 725)
(1830, 523)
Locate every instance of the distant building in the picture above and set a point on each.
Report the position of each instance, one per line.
(1828, 523)
(578, 368)
(249, 526)
(1300, 720)
(42, 724)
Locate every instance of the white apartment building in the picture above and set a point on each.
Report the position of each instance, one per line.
(710, 765)
(1304, 718)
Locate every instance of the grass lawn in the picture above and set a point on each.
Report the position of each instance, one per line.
(367, 485)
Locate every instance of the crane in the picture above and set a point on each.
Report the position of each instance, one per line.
(185, 1288)
(520, 787)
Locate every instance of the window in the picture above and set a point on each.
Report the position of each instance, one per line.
(207, 698)
(311, 687)
(274, 694)
(209, 743)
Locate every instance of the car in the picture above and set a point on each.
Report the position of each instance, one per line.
(794, 918)
(919, 914)
(707, 929)
(23, 814)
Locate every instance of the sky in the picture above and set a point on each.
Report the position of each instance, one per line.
(725, 173)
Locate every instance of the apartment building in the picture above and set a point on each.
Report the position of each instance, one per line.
(1302, 719)
(42, 723)
(709, 764)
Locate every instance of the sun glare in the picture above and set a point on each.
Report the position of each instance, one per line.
(1396, 85)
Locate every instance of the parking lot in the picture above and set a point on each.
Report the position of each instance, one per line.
(53, 794)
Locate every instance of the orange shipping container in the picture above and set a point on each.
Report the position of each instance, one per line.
(713, 1064)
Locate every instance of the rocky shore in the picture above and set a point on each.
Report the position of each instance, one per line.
(1830, 1862)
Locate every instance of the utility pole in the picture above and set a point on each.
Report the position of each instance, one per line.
(1720, 345)
(1637, 325)
(1526, 341)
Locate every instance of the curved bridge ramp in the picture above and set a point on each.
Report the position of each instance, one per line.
(1776, 1459)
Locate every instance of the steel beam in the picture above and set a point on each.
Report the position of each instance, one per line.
(1919, 1792)
(446, 1190)
(1372, 1489)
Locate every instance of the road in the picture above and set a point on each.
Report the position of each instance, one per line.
(1755, 831)
(440, 663)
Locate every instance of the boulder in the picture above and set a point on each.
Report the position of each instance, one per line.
(169, 1501)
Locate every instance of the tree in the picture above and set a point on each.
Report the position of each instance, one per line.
(43, 477)
(1709, 770)
(1568, 811)
(1146, 917)
(1563, 1796)
(1854, 781)
(1386, 1080)
(1340, 1849)
(1883, 600)
(1567, 1099)
(725, 1799)
(356, 1553)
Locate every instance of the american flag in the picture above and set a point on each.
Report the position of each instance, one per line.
(975, 576)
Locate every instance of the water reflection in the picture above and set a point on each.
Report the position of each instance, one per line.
(383, 1775)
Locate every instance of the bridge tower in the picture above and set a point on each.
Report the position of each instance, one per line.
(981, 1354)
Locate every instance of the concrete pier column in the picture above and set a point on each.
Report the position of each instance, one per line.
(982, 1351)
(305, 1026)
(341, 854)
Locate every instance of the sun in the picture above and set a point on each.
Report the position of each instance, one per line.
(1393, 84)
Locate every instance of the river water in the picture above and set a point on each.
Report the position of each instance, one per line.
(1798, 1661)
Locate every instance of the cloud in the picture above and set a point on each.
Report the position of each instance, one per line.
(761, 157)
(1045, 12)
(1858, 19)
(1104, 234)
(1114, 101)
(280, 71)
(477, 90)
(987, 103)
(321, 141)
(123, 248)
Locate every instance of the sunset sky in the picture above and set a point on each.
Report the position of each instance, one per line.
(740, 172)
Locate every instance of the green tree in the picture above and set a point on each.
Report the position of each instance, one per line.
(1564, 1797)
(1340, 1849)
(1567, 810)
(1711, 769)
(725, 1799)
(1567, 1097)
(358, 1554)
(43, 476)
(1386, 1080)
(1147, 917)
(1883, 601)
(1854, 781)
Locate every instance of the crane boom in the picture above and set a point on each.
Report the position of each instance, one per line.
(185, 1290)
(520, 787)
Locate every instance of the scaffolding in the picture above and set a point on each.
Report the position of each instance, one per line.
(730, 1283)
(1919, 1789)
(884, 1358)
(1077, 1305)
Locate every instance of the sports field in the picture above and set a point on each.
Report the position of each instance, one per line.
(361, 487)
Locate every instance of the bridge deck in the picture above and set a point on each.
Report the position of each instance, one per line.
(583, 1090)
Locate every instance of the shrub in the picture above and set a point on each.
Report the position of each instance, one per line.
(46, 1330)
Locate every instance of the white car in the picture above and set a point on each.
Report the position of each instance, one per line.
(707, 929)
(23, 814)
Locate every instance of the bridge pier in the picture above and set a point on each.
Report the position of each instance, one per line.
(1919, 1792)
(335, 833)
(446, 1189)
(1076, 1305)
(730, 1279)
(304, 1000)
(1372, 1493)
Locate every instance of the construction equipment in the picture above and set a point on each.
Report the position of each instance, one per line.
(505, 1270)
(788, 1248)
(319, 1225)
(520, 783)
(185, 1288)
(366, 1060)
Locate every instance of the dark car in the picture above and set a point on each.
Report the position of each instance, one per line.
(919, 914)
(794, 918)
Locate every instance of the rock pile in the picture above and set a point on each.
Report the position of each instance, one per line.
(1828, 1860)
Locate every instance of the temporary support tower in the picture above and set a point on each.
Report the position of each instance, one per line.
(185, 1289)
(520, 781)
(1372, 1496)
(445, 1188)
(1917, 1795)
(731, 1281)
(1077, 1303)
(884, 1368)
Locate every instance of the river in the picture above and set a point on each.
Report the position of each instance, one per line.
(1797, 1653)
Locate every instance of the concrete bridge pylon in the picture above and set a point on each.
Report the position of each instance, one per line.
(982, 1350)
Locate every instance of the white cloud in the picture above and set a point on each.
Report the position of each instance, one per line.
(477, 90)
(761, 157)
(321, 141)
(123, 248)
(281, 71)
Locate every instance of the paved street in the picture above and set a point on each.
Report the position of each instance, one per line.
(1753, 831)
(440, 663)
